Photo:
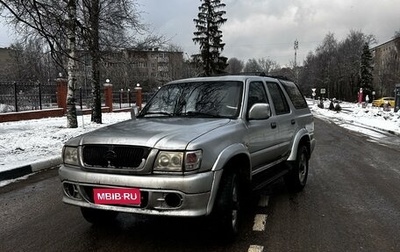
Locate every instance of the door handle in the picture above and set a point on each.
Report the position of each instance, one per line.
(292, 121)
(273, 125)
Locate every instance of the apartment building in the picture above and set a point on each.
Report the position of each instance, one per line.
(386, 73)
(150, 68)
(124, 68)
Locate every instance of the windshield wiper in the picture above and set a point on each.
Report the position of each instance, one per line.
(199, 114)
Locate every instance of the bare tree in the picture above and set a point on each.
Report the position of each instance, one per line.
(268, 66)
(71, 46)
(49, 21)
(335, 66)
(104, 25)
(234, 66)
(348, 65)
(100, 24)
(28, 62)
(91, 9)
(252, 65)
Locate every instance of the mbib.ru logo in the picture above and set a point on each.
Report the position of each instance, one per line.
(116, 196)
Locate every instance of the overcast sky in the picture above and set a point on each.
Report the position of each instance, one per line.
(268, 28)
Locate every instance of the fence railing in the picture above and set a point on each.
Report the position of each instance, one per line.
(17, 97)
(127, 98)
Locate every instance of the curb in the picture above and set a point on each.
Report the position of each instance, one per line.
(31, 168)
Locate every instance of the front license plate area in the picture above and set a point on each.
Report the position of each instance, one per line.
(117, 196)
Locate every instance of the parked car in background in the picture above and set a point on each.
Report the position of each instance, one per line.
(381, 102)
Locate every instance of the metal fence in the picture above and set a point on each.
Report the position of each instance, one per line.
(83, 98)
(17, 96)
(127, 98)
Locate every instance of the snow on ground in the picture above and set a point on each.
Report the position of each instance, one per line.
(24, 142)
(354, 117)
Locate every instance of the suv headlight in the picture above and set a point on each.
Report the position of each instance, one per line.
(178, 161)
(70, 155)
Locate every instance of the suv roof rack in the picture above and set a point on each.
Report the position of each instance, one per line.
(264, 75)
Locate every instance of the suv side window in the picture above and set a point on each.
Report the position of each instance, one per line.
(295, 95)
(257, 94)
(280, 103)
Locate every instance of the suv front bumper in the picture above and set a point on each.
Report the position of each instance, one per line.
(181, 195)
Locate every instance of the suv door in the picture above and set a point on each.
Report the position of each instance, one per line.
(285, 120)
(262, 137)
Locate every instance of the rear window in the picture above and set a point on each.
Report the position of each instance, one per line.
(295, 95)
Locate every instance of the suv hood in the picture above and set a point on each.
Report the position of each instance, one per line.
(160, 133)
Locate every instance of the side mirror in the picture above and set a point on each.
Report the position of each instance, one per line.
(259, 111)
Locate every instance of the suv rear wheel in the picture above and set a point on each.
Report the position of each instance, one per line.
(296, 179)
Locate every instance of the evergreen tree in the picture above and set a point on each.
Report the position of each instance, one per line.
(366, 68)
(209, 37)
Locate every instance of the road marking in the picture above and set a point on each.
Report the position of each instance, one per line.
(263, 202)
(255, 248)
(259, 222)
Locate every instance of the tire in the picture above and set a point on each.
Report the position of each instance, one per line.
(97, 216)
(296, 179)
(227, 211)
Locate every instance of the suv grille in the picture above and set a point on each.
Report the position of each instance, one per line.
(112, 156)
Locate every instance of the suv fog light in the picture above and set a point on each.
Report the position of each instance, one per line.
(173, 200)
(71, 190)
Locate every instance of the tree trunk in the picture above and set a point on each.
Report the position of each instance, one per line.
(95, 54)
(72, 121)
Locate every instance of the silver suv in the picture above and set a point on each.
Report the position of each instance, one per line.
(196, 149)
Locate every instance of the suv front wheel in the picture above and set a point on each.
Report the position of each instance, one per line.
(227, 209)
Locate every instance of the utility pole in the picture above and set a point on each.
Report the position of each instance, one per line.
(296, 46)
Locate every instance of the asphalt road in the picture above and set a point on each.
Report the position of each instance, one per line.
(351, 203)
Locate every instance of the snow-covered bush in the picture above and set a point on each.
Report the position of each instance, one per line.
(4, 108)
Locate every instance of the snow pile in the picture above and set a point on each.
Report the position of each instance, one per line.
(4, 108)
(352, 113)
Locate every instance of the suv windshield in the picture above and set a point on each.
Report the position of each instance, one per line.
(196, 99)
